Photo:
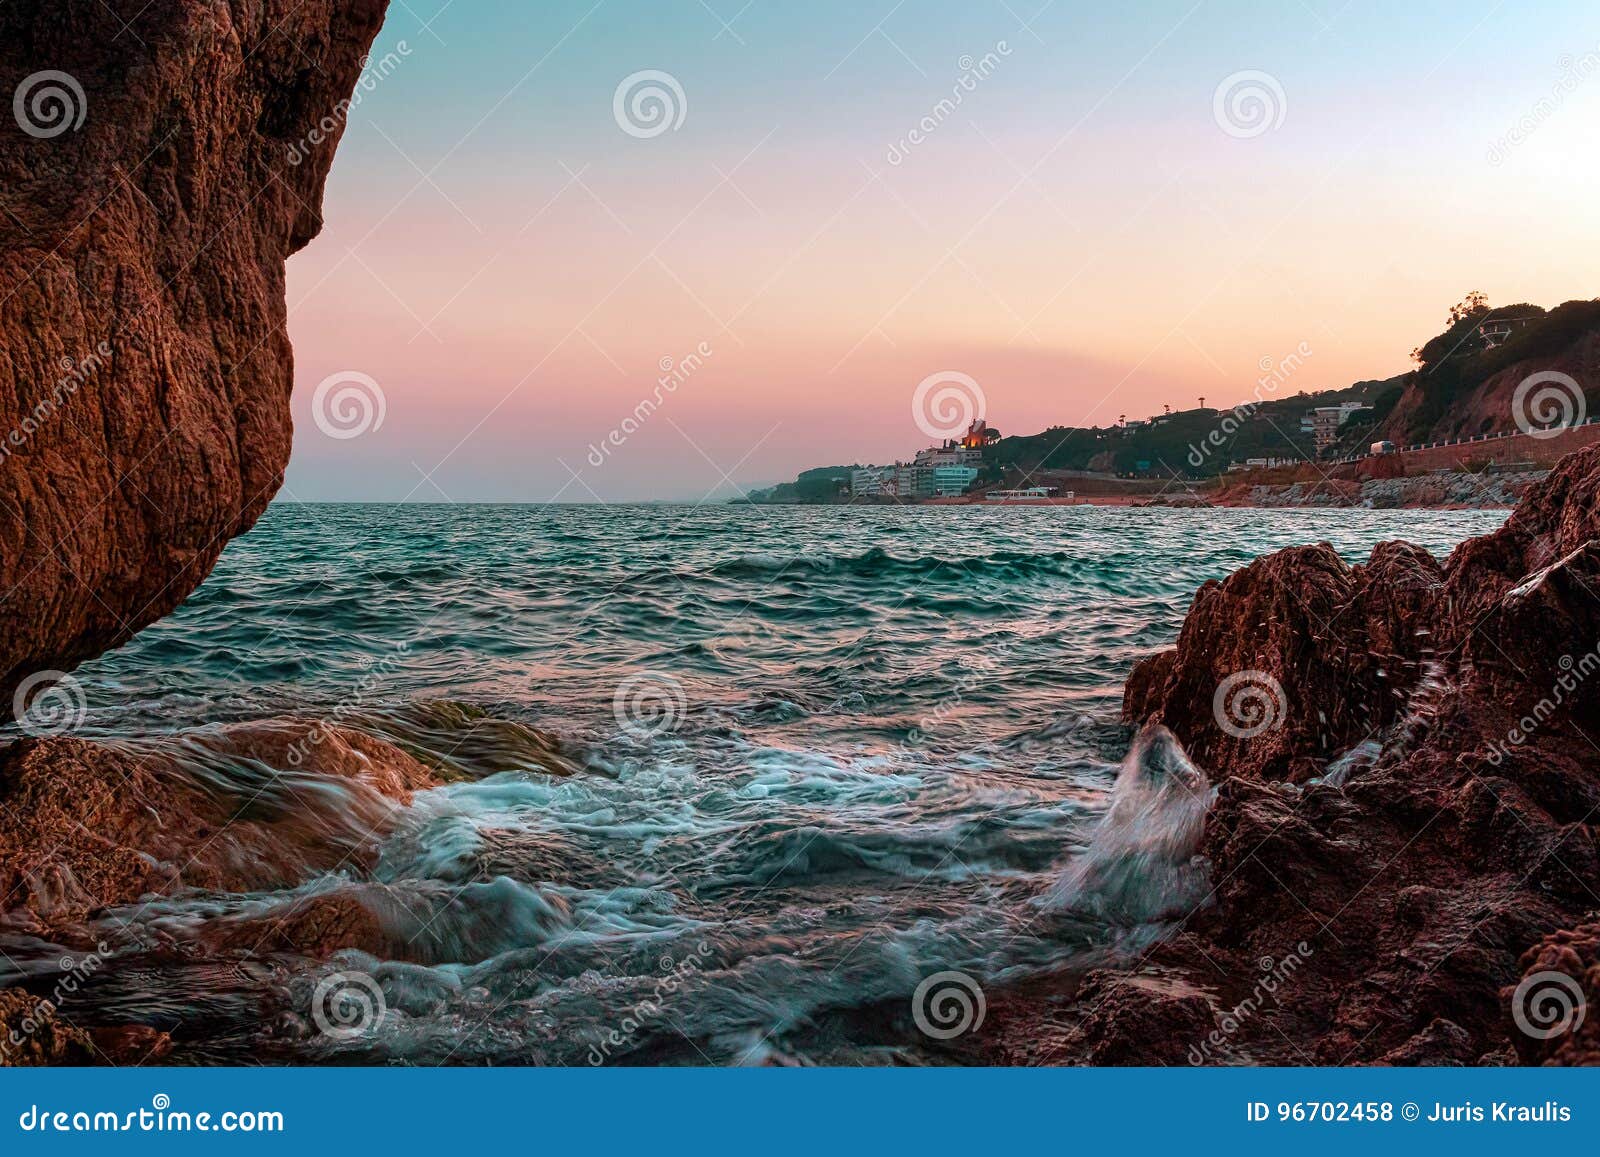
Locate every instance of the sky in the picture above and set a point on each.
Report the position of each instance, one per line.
(1128, 207)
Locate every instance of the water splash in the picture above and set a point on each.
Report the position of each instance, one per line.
(1142, 864)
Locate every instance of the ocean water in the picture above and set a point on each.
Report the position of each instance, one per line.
(817, 757)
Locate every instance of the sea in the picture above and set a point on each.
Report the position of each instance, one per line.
(719, 784)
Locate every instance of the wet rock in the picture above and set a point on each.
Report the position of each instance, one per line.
(257, 806)
(1554, 1009)
(145, 370)
(31, 1033)
(1464, 834)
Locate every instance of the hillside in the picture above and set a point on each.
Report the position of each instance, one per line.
(1463, 387)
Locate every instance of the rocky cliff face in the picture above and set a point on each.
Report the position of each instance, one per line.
(150, 198)
(1409, 784)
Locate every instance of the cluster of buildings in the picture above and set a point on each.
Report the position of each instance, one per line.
(938, 472)
(1324, 422)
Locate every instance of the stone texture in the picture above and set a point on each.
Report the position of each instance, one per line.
(251, 807)
(1458, 855)
(145, 370)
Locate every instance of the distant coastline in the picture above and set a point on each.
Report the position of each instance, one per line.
(1494, 401)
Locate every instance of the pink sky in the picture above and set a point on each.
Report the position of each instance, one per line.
(1078, 259)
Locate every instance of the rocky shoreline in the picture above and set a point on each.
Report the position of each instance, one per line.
(1406, 804)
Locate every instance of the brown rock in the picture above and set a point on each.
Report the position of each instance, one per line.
(31, 1033)
(244, 808)
(144, 366)
(1466, 831)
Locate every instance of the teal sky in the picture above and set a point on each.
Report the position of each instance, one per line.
(1081, 236)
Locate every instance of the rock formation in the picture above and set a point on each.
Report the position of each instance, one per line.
(150, 198)
(1409, 784)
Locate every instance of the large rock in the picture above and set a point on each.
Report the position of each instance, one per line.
(250, 807)
(151, 196)
(1416, 821)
